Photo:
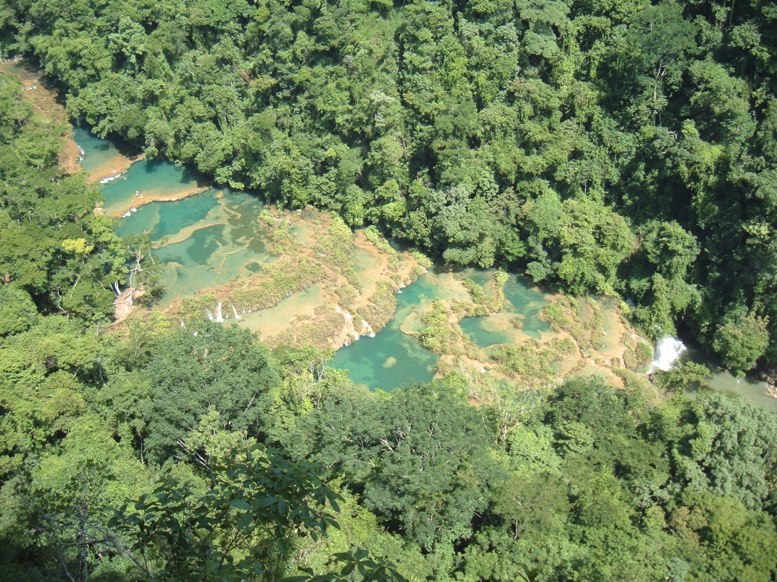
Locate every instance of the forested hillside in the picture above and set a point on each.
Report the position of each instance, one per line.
(157, 452)
(609, 147)
(603, 146)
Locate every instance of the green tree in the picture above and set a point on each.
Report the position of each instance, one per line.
(192, 370)
(420, 455)
(741, 339)
(724, 447)
(686, 375)
(17, 310)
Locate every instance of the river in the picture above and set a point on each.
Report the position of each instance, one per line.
(206, 237)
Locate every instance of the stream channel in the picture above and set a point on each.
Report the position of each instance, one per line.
(206, 237)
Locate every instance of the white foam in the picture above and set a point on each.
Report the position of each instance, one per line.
(668, 350)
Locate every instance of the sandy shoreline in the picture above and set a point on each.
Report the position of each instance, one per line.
(143, 199)
(114, 169)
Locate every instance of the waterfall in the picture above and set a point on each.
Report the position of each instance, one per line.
(668, 350)
(367, 329)
(219, 316)
(349, 327)
(234, 312)
(209, 314)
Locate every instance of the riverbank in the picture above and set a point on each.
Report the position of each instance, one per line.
(142, 199)
(46, 102)
(113, 168)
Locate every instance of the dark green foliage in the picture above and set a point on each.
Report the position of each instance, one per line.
(685, 375)
(421, 458)
(741, 339)
(237, 526)
(194, 370)
(600, 146)
(728, 449)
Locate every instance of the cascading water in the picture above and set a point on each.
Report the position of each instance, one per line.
(367, 329)
(668, 350)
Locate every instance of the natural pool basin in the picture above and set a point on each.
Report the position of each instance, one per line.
(204, 240)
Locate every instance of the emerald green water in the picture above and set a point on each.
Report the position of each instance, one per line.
(524, 304)
(204, 240)
(161, 219)
(369, 360)
(147, 178)
(477, 329)
(528, 302)
(98, 154)
(392, 359)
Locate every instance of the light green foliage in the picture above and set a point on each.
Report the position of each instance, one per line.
(661, 270)
(580, 317)
(276, 284)
(334, 245)
(533, 364)
(382, 307)
(638, 355)
(358, 527)
(582, 241)
(489, 298)
(17, 310)
(377, 239)
(532, 451)
(51, 245)
(41, 393)
(436, 332)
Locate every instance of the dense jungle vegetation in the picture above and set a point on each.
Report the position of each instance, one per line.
(156, 452)
(603, 146)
